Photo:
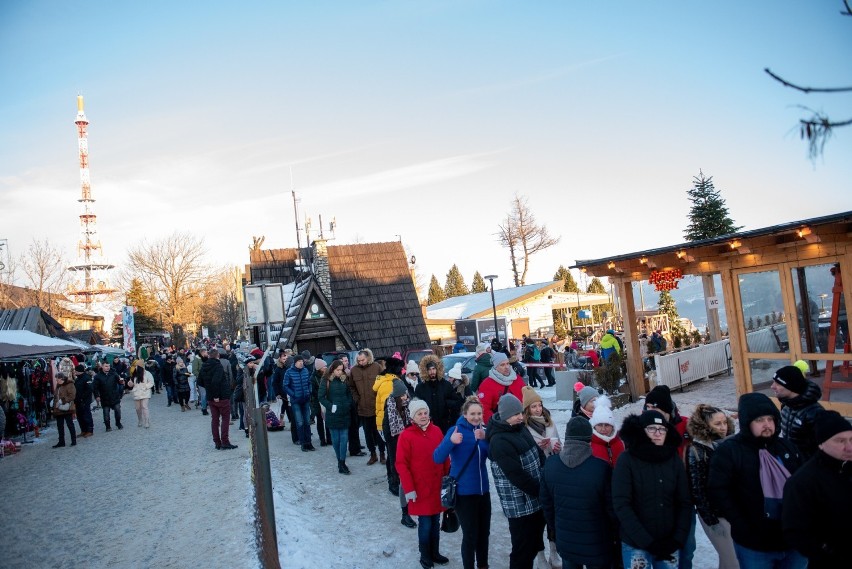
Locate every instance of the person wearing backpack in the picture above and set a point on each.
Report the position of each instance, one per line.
(745, 483)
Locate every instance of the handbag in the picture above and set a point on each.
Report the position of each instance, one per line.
(450, 521)
(63, 406)
(449, 485)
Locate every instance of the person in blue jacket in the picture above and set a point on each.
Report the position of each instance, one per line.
(467, 448)
(297, 384)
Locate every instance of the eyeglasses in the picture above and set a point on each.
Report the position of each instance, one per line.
(655, 430)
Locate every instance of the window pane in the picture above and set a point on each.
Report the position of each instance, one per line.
(762, 371)
(814, 300)
(763, 312)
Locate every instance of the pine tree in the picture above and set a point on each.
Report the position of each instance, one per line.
(454, 285)
(478, 284)
(436, 293)
(708, 216)
(597, 287)
(667, 306)
(145, 318)
(564, 275)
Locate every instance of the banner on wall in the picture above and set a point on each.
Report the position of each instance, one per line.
(129, 326)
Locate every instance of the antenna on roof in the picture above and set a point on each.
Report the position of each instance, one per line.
(300, 261)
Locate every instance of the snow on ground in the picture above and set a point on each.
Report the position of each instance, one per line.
(326, 519)
(159, 497)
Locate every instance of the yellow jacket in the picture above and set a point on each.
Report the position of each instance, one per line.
(383, 387)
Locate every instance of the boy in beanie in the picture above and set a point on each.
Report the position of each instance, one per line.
(819, 496)
(799, 398)
(735, 490)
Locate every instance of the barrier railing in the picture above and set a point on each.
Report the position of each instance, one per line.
(681, 368)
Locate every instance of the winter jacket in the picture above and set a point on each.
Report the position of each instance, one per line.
(609, 346)
(798, 416)
(107, 388)
(607, 451)
(418, 472)
(443, 400)
(277, 379)
(212, 377)
(650, 494)
(578, 503)
(361, 380)
(168, 373)
(480, 372)
(490, 392)
(474, 479)
(698, 455)
(516, 463)
(817, 502)
(383, 387)
(297, 384)
(394, 422)
(182, 379)
(336, 394)
(733, 484)
(65, 392)
(83, 386)
(142, 389)
(195, 365)
(316, 380)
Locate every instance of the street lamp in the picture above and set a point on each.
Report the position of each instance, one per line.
(822, 298)
(494, 305)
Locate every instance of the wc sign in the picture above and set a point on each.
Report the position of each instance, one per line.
(713, 302)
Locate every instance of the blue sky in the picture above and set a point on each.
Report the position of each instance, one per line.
(416, 120)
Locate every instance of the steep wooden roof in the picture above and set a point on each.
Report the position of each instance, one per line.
(371, 291)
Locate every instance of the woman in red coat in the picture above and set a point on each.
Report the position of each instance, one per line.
(420, 479)
(606, 444)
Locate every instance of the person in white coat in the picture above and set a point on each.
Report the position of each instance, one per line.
(141, 384)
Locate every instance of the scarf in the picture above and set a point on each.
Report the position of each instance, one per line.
(538, 424)
(575, 452)
(604, 437)
(505, 380)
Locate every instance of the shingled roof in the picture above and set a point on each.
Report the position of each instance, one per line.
(372, 291)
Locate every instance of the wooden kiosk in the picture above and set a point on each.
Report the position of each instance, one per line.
(783, 295)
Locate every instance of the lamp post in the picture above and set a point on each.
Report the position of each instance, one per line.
(493, 305)
(822, 298)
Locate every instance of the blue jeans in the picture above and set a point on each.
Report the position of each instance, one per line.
(429, 533)
(171, 394)
(632, 556)
(752, 559)
(340, 441)
(202, 396)
(302, 416)
(688, 551)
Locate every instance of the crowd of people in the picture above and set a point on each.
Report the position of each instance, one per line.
(773, 493)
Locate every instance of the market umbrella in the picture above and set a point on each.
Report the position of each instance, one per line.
(24, 344)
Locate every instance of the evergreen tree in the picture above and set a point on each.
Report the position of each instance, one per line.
(708, 216)
(597, 287)
(145, 318)
(478, 284)
(667, 306)
(436, 293)
(454, 285)
(564, 275)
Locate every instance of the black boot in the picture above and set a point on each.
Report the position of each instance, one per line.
(426, 556)
(342, 468)
(437, 557)
(393, 488)
(406, 519)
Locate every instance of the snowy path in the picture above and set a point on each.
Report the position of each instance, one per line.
(329, 520)
(158, 497)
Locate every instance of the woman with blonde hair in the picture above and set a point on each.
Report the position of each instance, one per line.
(63, 408)
(141, 384)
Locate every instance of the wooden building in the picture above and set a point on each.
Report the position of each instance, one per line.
(783, 292)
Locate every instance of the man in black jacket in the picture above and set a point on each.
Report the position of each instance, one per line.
(108, 388)
(735, 490)
(219, 388)
(83, 400)
(818, 498)
(800, 408)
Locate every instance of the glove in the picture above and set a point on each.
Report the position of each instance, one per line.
(411, 496)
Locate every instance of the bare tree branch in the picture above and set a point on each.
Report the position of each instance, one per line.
(44, 267)
(523, 237)
(807, 89)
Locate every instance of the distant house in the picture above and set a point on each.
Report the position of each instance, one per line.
(69, 315)
(365, 291)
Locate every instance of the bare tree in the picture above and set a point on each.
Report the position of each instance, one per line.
(173, 272)
(817, 128)
(523, 237)
(7, 281)
(45, 269)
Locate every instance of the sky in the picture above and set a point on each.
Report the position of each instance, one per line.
(416, 121)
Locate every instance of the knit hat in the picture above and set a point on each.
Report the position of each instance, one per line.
(578, 386)
(509, 406)
(319, 364)
(530, 396)
(828, 424)
(661, 398)
(587, 394)
(498, 358)
(80, 368)
(306, 355)
(792, 378)
(456, 373)
(399, 388)
(481, 348)
(298, 358)
(578, 429)
(603, 412)
(803, 365)
(394, 366)
(412, 367)
(257, 353)
(416, 405)
(652, 417)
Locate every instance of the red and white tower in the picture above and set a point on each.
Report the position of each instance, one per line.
(93, 285)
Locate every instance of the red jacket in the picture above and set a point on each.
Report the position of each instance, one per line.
(417, 471)
(607, 451)
(490, 393)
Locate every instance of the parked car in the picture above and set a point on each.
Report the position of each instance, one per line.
(416, 355)
(331, 356)
(466, 359)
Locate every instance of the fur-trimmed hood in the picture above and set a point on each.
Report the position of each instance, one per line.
(370, 357)
(699, 430)
(433, 359)
(638, 444)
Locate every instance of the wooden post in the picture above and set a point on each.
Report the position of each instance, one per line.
(635, 367)
(736, 332)
(713, 324)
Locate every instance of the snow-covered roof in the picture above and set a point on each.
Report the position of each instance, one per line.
(462, 307)
(294, 296)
